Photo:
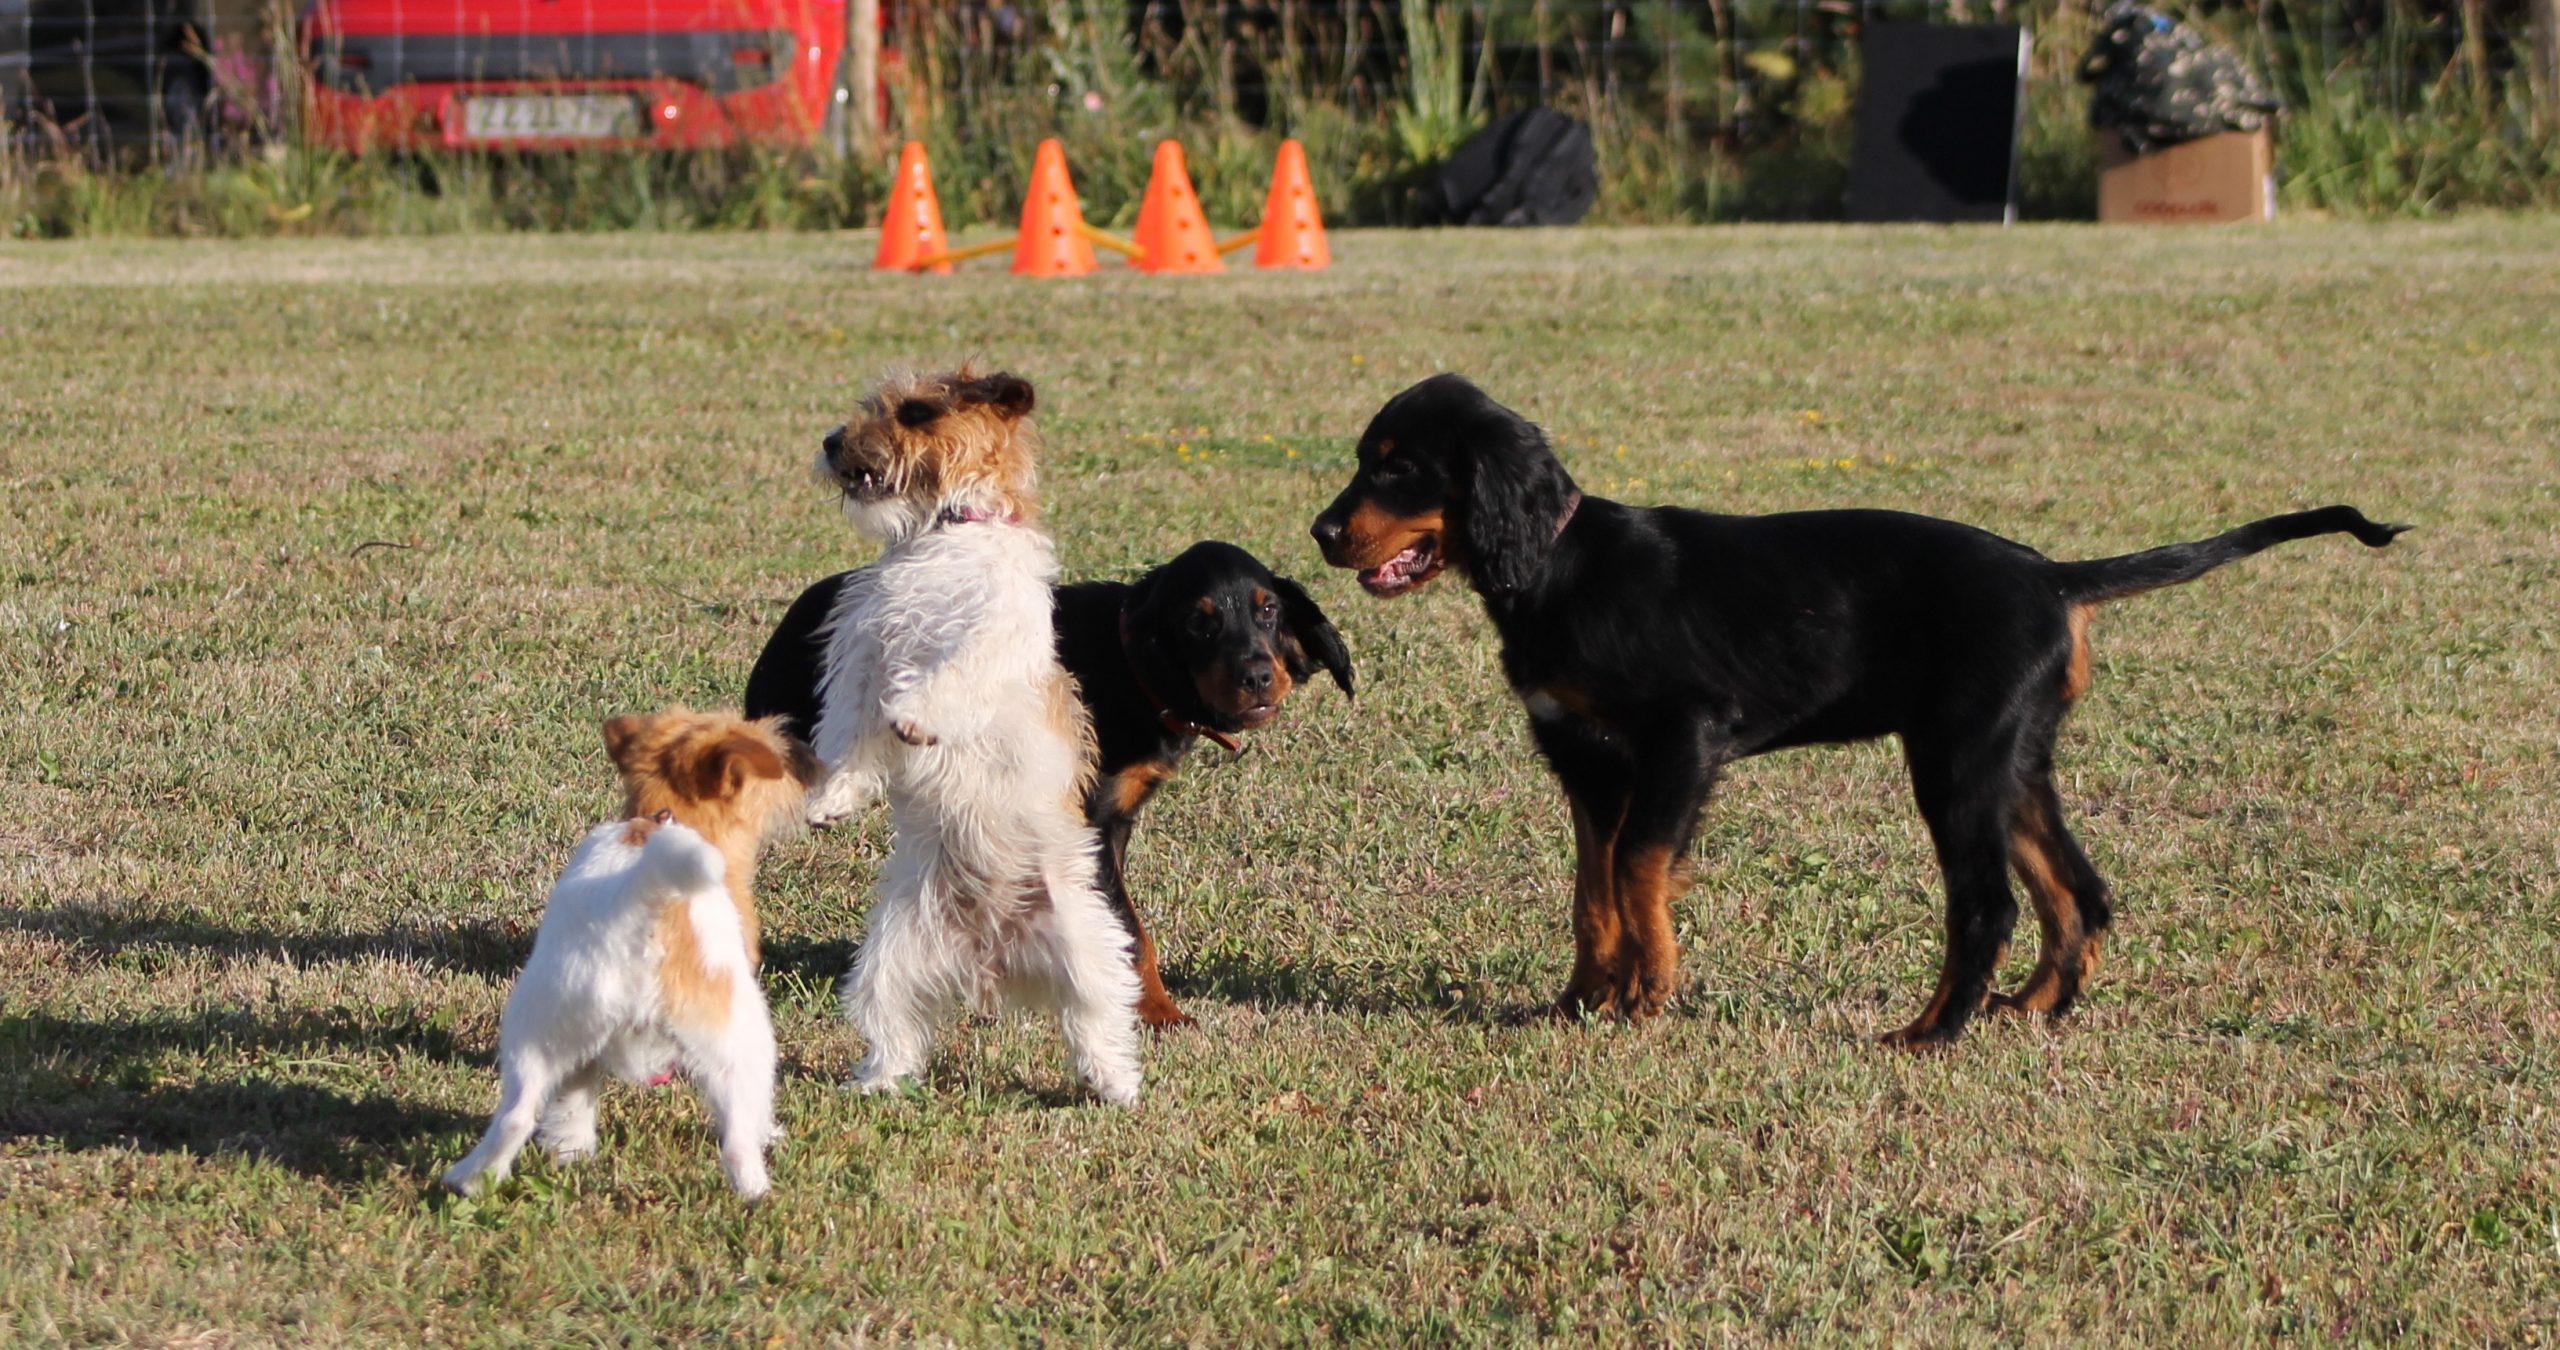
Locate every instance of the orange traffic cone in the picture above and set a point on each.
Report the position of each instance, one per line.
(1292, 233)
(1172, 233)
(913, 228)
(1052, 242)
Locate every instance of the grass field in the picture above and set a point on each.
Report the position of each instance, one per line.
(324, 560)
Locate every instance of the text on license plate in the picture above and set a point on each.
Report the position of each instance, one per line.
(550, 116)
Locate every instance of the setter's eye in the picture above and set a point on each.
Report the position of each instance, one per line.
(915, 412)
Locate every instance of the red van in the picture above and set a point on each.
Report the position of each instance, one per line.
(564, 74)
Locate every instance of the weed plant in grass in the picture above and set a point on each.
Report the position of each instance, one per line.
(321, 562)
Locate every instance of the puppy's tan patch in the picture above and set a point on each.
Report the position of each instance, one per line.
(696, 993)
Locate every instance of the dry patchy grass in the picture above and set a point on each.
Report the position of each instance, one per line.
(320, 564)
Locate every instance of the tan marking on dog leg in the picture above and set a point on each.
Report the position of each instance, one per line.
(1648, 881)
(1597, 939)
(2057, 920)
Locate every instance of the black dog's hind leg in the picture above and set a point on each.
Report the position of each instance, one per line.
(2069, 896)
(1965, 778)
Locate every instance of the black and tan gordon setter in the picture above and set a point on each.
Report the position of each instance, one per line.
(1653, 645)
(1205, 646)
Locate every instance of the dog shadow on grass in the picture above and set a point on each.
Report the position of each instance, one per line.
(226, 1083)
(132, 938)
(1479, 994)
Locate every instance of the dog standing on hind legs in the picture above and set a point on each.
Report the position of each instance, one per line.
(1654, 645)
(645, 965)
(943, 690)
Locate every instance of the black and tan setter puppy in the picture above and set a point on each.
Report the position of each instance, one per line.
(1205, 646)
(1653, 645)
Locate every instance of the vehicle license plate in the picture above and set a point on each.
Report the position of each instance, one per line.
(548, 117)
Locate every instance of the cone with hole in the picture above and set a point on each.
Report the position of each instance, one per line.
(912, 231)
(1052, 241)
(1172, 234)
(1292, 233)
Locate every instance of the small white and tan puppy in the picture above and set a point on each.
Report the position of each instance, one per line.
(645, 966)
(943, 690)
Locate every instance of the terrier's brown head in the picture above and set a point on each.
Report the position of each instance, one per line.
(924, 449)
(727, 778)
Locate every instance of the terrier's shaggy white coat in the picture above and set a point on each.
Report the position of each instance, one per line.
(942, 690)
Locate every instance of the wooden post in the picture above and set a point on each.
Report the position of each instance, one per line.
(2546, 65)
(862, 76)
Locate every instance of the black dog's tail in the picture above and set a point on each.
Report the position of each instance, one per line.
(2114, 578)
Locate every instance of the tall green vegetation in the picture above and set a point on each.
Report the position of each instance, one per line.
(1731, 110)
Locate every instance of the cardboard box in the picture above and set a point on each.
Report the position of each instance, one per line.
(2226, 177)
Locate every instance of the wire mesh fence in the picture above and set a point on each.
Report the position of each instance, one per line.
(136, 71)
(1680, 89)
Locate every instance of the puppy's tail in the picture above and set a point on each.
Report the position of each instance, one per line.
(2099, 579)
(677, 861)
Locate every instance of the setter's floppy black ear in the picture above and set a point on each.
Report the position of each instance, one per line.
(1142, 632)
(1314, 633)
(1515, 493)
(1009, 395)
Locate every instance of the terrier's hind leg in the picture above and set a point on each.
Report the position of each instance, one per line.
(569, 1126)
(1095, 987)
(526, 1081)
(734, 1070)
(898, 986)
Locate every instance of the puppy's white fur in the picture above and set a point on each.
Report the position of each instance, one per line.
(591, 1003)
(942, 689)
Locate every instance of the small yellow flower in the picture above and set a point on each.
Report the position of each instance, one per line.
(1811, 416)
(1183, 449)
(1849, 463)
(1358, 360)
(1622, 452)
(1293, 452)
(1266, 438)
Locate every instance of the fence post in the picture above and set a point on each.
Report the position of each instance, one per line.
(862, 77)
(2546, 65)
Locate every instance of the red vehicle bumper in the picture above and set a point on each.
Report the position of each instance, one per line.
(602, 74)
(665, 115)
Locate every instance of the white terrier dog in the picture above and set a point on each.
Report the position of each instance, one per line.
(943, 689)
(646, 962)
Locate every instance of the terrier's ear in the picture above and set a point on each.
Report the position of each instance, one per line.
(721, 770)
(620, 734)
(1009, 395)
